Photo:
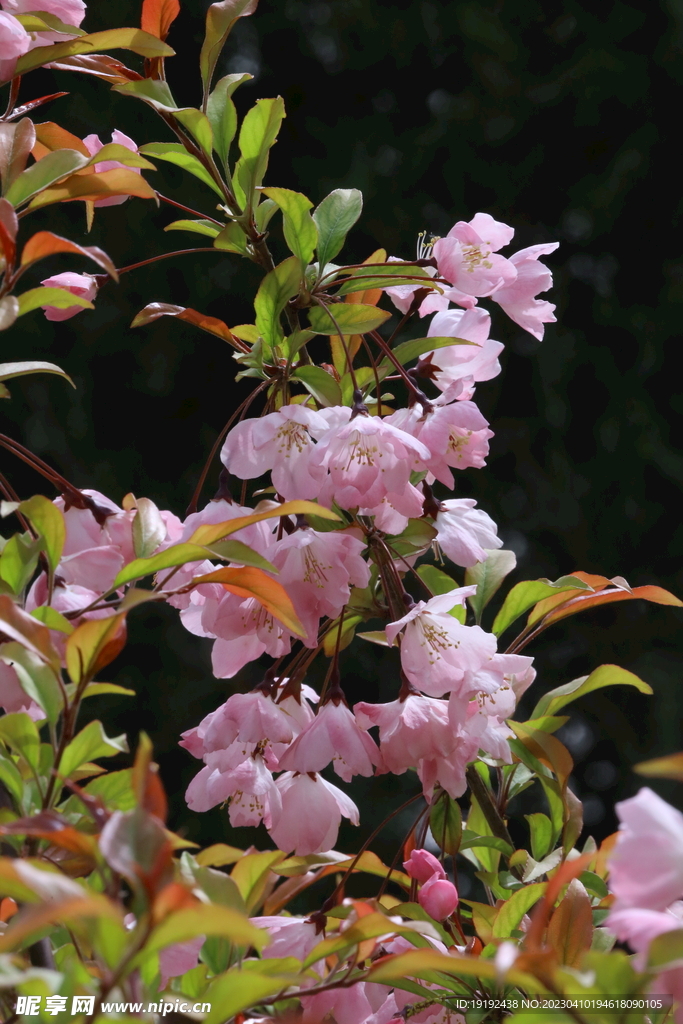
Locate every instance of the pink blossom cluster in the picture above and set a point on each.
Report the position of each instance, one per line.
(468, 258)
(15, 40)
(646, 876)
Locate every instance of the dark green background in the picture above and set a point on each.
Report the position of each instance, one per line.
(552, 117)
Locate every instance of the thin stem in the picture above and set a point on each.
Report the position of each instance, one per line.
(349, 361)
(164, 256)
(188, 209)
(417, 393)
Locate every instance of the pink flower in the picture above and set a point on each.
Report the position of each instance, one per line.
(249, 787)
(249, 717)
(646, 866)
(457, 436)
(438, 897)
(343, 1005)
(334, 735)
(639, 926)
(280, 442)
(93, 145)
(449, 771)
(468, 258)
(14, 699)
(312, 810)
(178, 959)
(437, 651)
(83, 285)
(465, 532)
(409, 730)
(290, 936)
(423, 865)
(368, 460)
(462, 363)
(71, 12)
(518, 297)
(14, 43)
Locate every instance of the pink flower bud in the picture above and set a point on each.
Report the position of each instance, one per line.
(79, 284)
(438, 897)
(423, 865)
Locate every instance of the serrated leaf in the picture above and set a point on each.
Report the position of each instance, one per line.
(488, 577)
(526, 594)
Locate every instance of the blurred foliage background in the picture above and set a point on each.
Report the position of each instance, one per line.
(553, 117)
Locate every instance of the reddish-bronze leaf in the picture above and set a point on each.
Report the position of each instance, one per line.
(51, 136)
(147, 785)
(158, 16)
(571, 927)
(9, 225)
(210, 324)
(249, 582)
(93, 645)
(101, 65)
(119, 182)
(583, 601)
(45, 243)
(53, 826)
(568, 870)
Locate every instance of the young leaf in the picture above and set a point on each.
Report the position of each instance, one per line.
(221, 112)
(158, 16)
(488, 577)
(44, 173)
(91, 742)
(19, 561)
(514, 909)
(197, 227)
(526, 594)
(16, 142)
(320, 384)
(541, 830)
(571, 926)
(20, 734)
(149, 529)
(119, 182)
(175, 153)
(350, 318)
(249, 582)
(258, 133)
(220, 19)
(45, 243)
(112, 39)
(301, 233)
(209, 533)
(60, 298)
(275, 290)
(606, 675)
(205, 919)
(445, 823)
(546, 748)
(20, 626)
(198, 125)
(237, 990)
(549, 613)
(668, 767)
(334, 217)
(93, 645)
(251, 874)
(9, 370)
(49, 522)
(37, 679)
(388, 276)
(210, 324)
(232, 239)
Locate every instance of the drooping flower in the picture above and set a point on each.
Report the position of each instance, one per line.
(249, 787)
(83, 285)
(468, 257)
(334, 735)
(438, 897)
(280, 442)
(423, 865)
(93, 144)
(466, 364)
(465, 532)
(457, 436)
(646, 866)
(312, 810)
(409, 730)
(518, 297)
(437, 651)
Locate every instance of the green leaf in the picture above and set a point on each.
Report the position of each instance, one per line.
(154, 92)
(386, 275)
(219, 887)
(242, 554)
(511, 913)
(20, 734)
(471, 841)
(19, 560)
(666, 949)
(209, 919)
(440, 583)
(197, 227)
(541, 829)
(97, 689)
(115, 790)
(350, 318)
(175, 153)
(112, 39)
(36, 298)
(320, 384)
(93, 645)
(296, 341)
(407, 351)
(92, 742)
(526, 594)
(149, 529)
(238, 990)
(232, 239)
(274, 292)
(606, 675)
(221, 112)
(9, 370)
(251, 873)
(334, 217)
(9, 775)
(37, 679)
(48, 520)
(55, 165)
(220, 19)
(301, 233)
(177, 554)
(488, 577)
(199, 127)
(445, 822)
(42, 21)
(258, 133)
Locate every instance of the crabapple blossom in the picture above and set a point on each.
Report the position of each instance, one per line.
(249, 787)
(93, 144)
(448, 772)
(290, 936)
(464, 532)
(409, 730)
(343, 1005)
(280, 442)
(14, 43)
(468, 257)
(178, 959)
(518, 297)
(334, 735)
(423, 865)
(457, 436)
(437, 651)
(438, 897)
(463, 362)
(312, 810)
(646, 865)
(83, 285)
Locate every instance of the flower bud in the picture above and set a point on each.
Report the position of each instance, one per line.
(438, 897)
(422, 865)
